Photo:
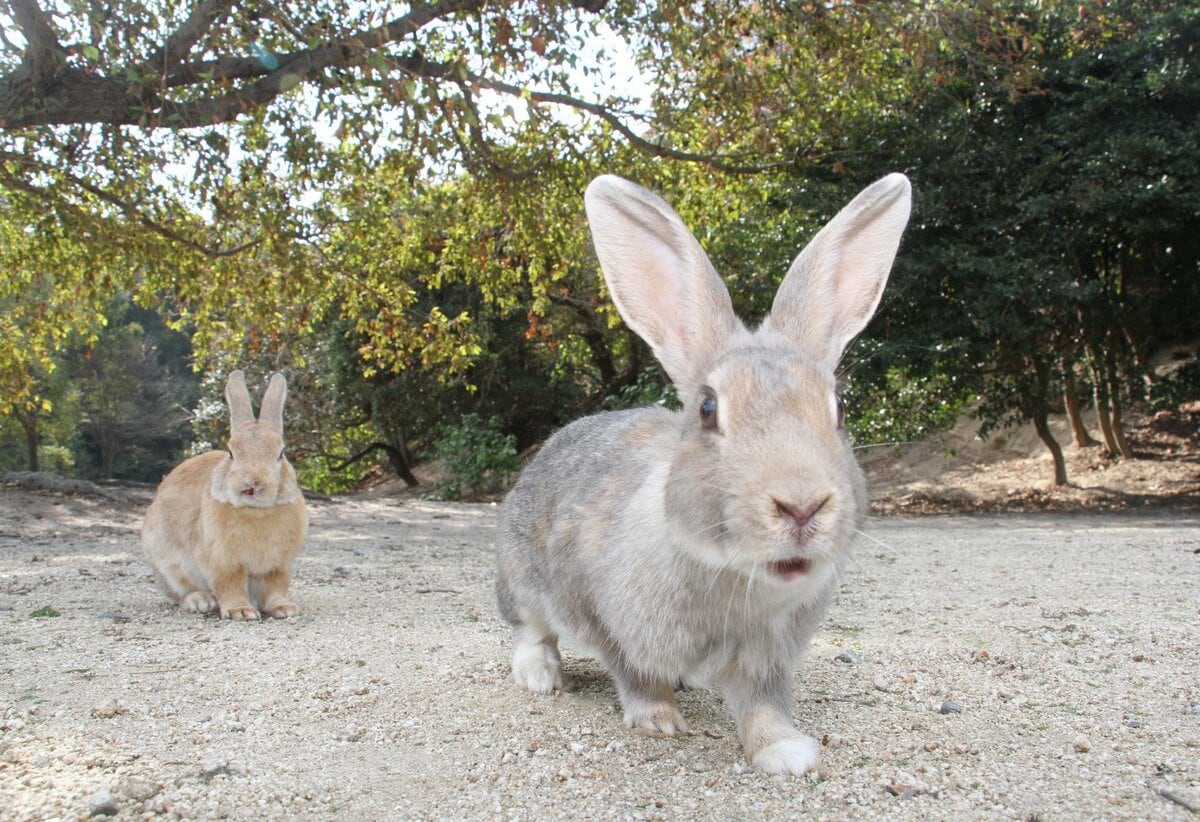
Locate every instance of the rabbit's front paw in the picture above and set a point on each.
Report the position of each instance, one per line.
(656, 720)
(240, 612)
(788, 756)
(537, 672)
(199, 602)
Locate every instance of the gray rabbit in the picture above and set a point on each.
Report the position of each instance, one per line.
(702, 546)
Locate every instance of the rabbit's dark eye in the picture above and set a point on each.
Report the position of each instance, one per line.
(841, 410)
(708, 408)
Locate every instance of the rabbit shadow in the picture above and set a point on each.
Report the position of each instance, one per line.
(586, 679)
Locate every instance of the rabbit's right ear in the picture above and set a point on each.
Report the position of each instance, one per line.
(238, 398)
(660, 278)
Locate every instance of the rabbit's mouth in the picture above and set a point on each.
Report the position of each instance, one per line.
(791, 569)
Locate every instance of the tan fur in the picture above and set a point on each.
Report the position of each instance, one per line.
(212, 544)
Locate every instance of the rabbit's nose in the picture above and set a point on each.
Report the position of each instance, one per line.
(799, 515)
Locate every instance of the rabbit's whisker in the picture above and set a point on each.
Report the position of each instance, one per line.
(749, 585)
(717, 574)
(882, 444)
(878, 542)
(719, 524)
(728, 608)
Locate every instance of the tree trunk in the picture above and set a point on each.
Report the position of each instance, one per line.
(1042, 426)
(401, 464)
(1071, 399)
(1117, 428)
(108, 446)
(1100, 395)
(29, 423)
(1037, 407)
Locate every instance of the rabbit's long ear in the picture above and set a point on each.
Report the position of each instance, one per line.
(238, 399)
(833, 288)
(271, 412)
(659, 277)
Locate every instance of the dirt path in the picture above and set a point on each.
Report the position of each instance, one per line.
(1068, 644)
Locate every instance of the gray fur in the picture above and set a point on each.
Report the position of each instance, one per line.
(662, 546)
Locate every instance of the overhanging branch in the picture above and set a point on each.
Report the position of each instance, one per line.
(128, 209)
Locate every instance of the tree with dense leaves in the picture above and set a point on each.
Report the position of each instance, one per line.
(267, 172)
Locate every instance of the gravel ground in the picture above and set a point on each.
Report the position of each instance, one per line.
(1031, 667)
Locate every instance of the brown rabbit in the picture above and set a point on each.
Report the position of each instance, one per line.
(225, 527)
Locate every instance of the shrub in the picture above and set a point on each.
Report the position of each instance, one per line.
(476, 457)
(1180, 386)
(650, 388)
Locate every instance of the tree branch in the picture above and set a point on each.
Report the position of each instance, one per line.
(298, 66)
(126, 208)
(180, 43)
(35, 25)
(607, 115)
(370, 449)
(39, 63)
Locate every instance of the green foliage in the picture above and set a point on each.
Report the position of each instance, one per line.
(323, 472)
(401, 232)
(45, 612)
(1179, 386)
(650, 388)
(905, 406)
(477, 457)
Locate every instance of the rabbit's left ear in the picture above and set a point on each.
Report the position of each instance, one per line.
(271, 411)
(833, 287)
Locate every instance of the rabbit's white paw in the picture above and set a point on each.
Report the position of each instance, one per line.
(789, 756)
(537, 667)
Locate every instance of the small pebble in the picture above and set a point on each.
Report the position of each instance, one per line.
(102, 803)
(848, 656)
(881, 683)
(1194, 708)
(950, 707)
(137, 788)
(1082, 745)
(108, 709)
(215, 766)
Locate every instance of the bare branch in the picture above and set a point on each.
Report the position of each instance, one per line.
(609, 116)
(484, 149)
(299, 66)
(180, 43)
(370, 449)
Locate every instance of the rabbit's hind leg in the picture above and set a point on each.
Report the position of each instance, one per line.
(185, 591)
